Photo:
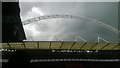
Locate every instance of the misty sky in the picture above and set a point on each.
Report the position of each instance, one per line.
(67, 29)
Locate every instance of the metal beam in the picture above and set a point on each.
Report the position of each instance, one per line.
(24, 45)
(104, 46)
(50, 46)
(72, 45)
(83, 45)
(38, 45)
(94, 46)
(9, 45)
(61, 45)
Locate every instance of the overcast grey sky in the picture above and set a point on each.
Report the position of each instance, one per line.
(68, 29)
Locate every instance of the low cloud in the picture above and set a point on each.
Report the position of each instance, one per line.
(33, 12)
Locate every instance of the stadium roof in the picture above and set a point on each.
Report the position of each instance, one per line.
(61, 45)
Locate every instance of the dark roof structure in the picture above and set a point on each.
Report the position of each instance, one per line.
(12, 29)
